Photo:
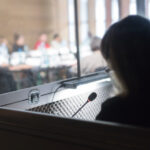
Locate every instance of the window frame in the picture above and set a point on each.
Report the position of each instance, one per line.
(49, 88)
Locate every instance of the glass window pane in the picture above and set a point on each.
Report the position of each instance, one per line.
(100, 16)
(133, 10)
(84, 10)
(105, 13)
(115, 11)
(148, 7)
(92, 30)
(84, 20)
(71, 24)
(37, 42)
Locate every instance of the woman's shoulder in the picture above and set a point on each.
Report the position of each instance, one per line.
(112, 107)
(113, 101)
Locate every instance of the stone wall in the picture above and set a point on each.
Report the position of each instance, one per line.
(32, 17)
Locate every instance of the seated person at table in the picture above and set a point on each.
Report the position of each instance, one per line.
(126, 48)
(42, 42)
(56, 42)
(7, 82)
(19, 44)
(4, 55)
(91, 63)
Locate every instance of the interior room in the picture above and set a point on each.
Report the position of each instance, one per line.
(55, 78)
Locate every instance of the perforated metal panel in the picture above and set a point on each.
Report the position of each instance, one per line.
(67, 107)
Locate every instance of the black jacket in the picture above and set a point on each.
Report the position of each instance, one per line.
(133, 110)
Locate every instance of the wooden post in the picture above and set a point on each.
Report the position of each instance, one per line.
(123, 8)
(91, 19)
(108, 4)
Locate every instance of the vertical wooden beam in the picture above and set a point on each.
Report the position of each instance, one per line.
(124, 8)
(108, 4)
(91, 17)
(63, 19)
(146, 8)
(58, 20)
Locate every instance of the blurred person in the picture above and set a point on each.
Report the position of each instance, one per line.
(7, 82)
(19, 44)
(126, 48)
(90, 37)
(91, 63)
(42, 42)
(56, 42)
(4, 54)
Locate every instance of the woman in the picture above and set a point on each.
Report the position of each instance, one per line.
(19, 45)
(126, 48)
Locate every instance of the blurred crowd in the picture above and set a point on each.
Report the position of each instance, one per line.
(19, 45)
(45, 62)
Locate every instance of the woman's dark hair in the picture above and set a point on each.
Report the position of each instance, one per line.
(126, 45)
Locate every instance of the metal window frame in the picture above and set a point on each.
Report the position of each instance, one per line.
(47, 89)
(77, 38)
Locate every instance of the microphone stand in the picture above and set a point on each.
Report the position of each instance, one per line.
(80, 108)
(90, 98)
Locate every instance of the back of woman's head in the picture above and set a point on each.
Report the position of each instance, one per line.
(126, 46)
